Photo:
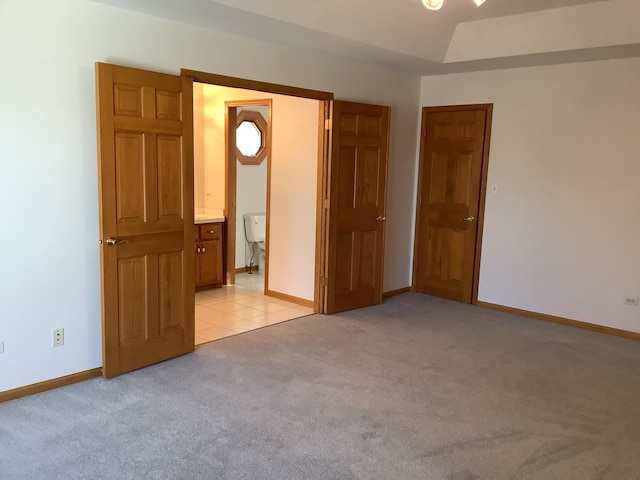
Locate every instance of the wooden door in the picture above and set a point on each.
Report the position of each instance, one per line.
(145, 169)
(356, 205)
(453, 150)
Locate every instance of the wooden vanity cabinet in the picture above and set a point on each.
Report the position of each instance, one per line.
(209, 244)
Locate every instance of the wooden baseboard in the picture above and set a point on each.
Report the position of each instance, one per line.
(49, 384)
(290, 298)
(200, 288)
(562, 321)
(393, 293)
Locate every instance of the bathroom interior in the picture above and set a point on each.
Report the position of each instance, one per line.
(272, 277)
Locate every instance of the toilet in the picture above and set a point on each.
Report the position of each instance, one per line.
(255, 228)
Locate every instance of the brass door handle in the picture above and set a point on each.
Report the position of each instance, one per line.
(112, 242)
(381, 218)
(468, 219)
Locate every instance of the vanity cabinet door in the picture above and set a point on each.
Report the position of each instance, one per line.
(210, 262)
(209, 254)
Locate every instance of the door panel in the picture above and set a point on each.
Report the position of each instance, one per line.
(169, 156)
(170, 314)
(146, 207)
(453, 148)
(129, 177)
(357, 195)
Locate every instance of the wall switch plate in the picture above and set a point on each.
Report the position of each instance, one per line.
(632, 302)
(58, 337)
(1, 347)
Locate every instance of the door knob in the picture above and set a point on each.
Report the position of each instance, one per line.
(468, 219)
(112, 241)
(381, 218)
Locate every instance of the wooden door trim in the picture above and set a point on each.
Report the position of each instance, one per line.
(231, 190)
(188, 188)
(322, 226)
(230, 175)
(235, 82)
(488, 109)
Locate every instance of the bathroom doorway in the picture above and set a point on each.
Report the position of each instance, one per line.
(248, 127)
(280, 196)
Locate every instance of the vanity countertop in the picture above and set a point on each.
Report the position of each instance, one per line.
(210, 216)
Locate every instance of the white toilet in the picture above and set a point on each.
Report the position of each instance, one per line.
(255, 229)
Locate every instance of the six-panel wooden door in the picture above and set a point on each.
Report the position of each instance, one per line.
(146, 226)
(357, 196)
(452, 149)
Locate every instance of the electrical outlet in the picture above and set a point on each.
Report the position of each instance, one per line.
(1, 347)
(58, 337)
(632, 302)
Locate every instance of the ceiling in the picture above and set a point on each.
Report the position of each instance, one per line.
(403, 34)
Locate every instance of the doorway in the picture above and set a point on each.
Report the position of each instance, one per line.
(248, 185)
(452, 182)
(237, 182)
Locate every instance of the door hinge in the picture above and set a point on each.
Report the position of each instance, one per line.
(327, 124)
(323, 281)
(325, 203)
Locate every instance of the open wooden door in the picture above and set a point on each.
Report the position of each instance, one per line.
(146, 204)
(357, 185)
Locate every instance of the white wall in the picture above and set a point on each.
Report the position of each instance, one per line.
(562, 231)
(293, 201)
(49, 260)
(214, 163)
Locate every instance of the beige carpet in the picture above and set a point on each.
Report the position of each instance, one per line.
(417, 388)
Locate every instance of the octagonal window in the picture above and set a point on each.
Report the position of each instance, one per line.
(248, 139)
(251, 137)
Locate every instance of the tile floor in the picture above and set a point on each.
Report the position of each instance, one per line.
(234, 309)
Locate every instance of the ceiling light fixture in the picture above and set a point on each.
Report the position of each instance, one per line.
(433, 4)
(437, 4)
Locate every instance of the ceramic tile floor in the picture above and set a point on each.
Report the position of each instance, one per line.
(233, 309)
